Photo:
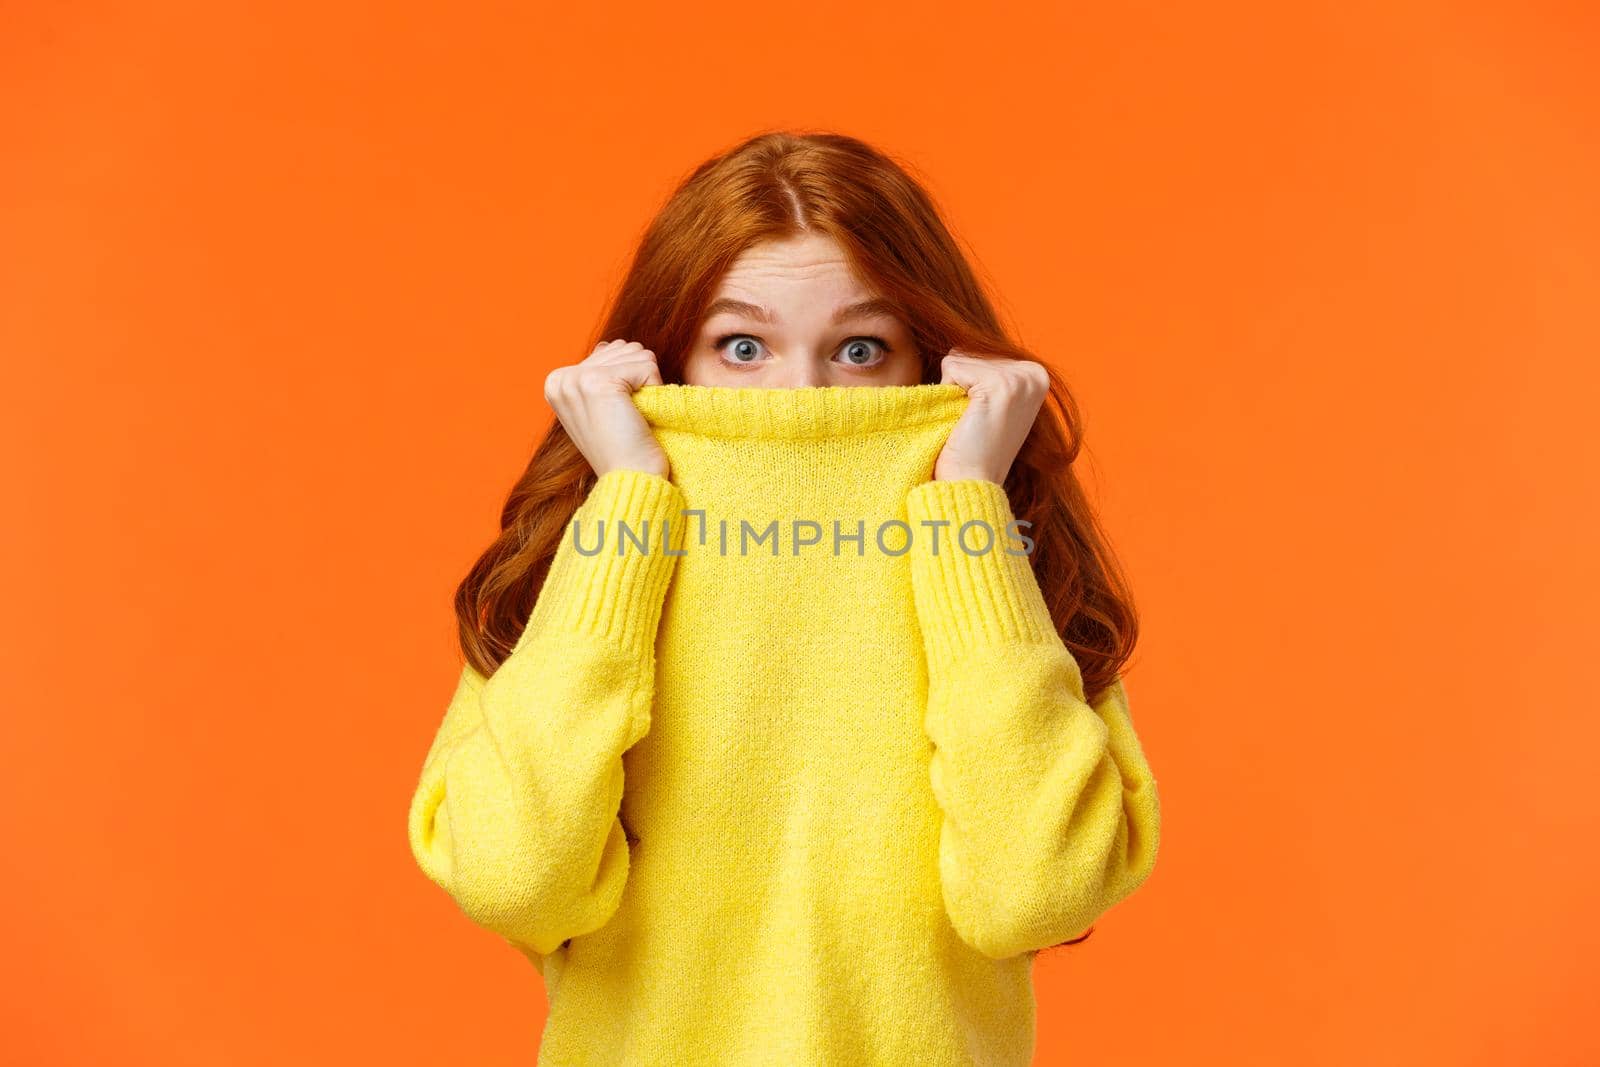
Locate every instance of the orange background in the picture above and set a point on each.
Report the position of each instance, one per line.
(279, 287)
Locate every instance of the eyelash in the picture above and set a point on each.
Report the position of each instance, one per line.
(722, 341)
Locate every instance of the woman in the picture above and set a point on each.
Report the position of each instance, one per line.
(801, 803)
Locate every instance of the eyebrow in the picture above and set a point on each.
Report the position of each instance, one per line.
(859, 310)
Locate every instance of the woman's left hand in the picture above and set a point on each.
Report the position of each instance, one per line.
(1004, 398)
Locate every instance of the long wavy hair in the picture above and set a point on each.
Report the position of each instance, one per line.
(775, 185)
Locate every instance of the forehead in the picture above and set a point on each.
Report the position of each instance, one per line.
(812, 264)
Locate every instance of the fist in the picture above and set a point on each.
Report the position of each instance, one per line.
(1003, 400)
(593, 400)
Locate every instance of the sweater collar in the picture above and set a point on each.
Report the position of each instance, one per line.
(803, 413)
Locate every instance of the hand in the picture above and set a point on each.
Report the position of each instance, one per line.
(1003, 400)
(594, 402)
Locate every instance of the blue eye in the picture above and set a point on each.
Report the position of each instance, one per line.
(854, 347)
(741, 351)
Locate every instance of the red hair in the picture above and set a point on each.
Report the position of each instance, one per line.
(772, 186)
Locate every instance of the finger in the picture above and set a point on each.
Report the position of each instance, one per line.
(639, 372)
(964, 371)
(614, 351)
(643, 369)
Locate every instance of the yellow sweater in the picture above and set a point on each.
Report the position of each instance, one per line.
(777, 803)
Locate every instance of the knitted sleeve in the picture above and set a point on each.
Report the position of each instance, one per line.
(1050, 813)
(516, 815)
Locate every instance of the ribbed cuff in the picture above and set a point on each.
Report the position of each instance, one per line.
(616, 592)
(973, 591)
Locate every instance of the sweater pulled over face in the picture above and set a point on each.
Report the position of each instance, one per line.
(790, 765)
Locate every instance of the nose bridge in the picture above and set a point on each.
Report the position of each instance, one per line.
(804, 367)
(805, 373)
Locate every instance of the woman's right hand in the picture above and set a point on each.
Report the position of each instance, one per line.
(594, 402)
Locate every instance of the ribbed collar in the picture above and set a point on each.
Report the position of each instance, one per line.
(804, 413)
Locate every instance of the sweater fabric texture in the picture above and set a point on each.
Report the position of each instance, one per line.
(751, 794)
